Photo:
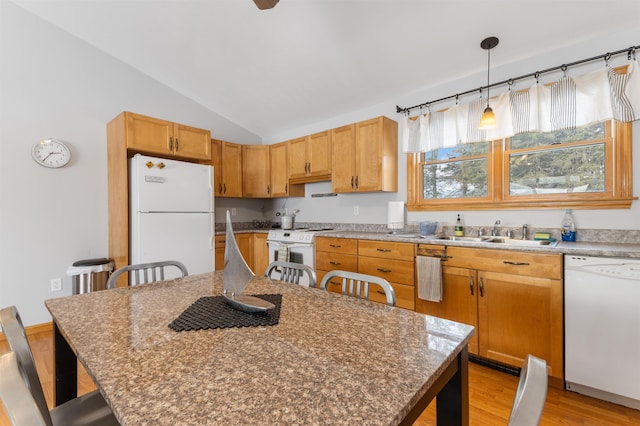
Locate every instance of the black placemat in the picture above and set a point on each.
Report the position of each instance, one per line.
(213, 312)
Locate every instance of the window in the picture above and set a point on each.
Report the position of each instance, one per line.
(588, 167)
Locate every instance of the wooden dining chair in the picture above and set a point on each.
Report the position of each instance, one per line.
(143, 273)
(290, 272)
(357, 285)
(90, 409)
(530, 394)
(14, 393)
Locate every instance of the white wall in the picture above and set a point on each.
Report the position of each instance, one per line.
(373, 207)
(55, 85)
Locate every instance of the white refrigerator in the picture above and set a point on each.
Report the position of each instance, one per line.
(171, 213)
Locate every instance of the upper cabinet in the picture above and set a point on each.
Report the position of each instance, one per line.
(279, 165)
(310, 158)
(365, 156)
(227, 165)
(160, 137)
(256, 175)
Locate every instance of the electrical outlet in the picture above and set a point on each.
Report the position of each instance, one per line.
(233, 211)
(356, 210)
(56, 284)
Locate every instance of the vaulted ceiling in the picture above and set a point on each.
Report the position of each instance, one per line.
(306, 61)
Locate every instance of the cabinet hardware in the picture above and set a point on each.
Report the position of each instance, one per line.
(170, 143)
(384, 270)
(481, 287)
(268, 190)
(471, 285)
(356, 182)
(383, 250)
(309, 163)
(351, 182)
(381, 292)
(286, 188)
(334, 283)
(220, 188)
(176, 144)
(335, 245)
(508, 262)
(225, 188)
(335, 263)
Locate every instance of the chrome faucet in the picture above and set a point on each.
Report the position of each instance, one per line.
(494, 233)
(525, 231)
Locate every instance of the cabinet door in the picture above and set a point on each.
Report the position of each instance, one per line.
(343, 141)
(279, 165)
(256, 173)
(319, 154)
(459, 303)
(368, 168)
(520, 315)
(231, 169)
(191, 142)
(220, 247)
(216, 162)
(260, 253)
(245, 245)
(149, 135)
(298, 163)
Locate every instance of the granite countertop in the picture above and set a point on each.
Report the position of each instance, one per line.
(329, 360)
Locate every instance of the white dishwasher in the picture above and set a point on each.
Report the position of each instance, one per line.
(602, 328)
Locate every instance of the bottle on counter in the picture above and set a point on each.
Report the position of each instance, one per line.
(458, 229)
(568, 230)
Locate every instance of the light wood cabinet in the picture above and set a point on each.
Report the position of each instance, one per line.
(160, 137)
(245, 245)
(220, 245)
(260, 253)
(256, 171)
(365, 156)
(335, 253)
(513, 299)
(389, 260)
(310, 158)
(279, 164)
(395, 262)
(227, 159)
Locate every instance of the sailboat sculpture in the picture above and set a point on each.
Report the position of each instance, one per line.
(237, 275)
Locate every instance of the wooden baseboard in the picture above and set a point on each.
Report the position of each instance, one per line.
(46, 327)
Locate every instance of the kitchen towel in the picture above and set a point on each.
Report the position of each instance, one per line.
(429, 278)
(283, 253)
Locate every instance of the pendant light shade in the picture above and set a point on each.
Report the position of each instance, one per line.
(488, 119)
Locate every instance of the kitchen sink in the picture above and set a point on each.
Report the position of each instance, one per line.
(469, 239)
(516, 242)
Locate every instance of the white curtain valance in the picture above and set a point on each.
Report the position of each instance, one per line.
(569, 102)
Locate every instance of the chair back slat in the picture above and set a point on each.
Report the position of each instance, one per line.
(146, 272)
(291, 272)
(357, 285)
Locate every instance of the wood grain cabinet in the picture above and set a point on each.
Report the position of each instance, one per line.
(256, 171)
(260, 253)
(365, 156)
(514, 299)
(227, 165)
(335, 253)
(395, 262)
(310, 158)
(245, 243)
(160, 137)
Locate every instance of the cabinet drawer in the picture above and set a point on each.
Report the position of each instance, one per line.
(329, 261)
(335, 285)
(398, 271)
(221, 241)
(404, 295)
(337, 245)
(542, 265)
(386, 250)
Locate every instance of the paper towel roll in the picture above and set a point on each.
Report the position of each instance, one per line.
(395, 215)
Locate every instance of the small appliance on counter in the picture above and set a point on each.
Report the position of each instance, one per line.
(287, 219)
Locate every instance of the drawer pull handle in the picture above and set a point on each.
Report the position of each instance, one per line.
(471, 285)
(335, 245)
(335, 283)
(384, 270)
(381, 292)
(335, 263)
(508, 262)
(481, 287)
(384, 250)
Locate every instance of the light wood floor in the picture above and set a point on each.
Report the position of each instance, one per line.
(490, 394)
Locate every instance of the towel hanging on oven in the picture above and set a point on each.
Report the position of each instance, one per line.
(283, 253)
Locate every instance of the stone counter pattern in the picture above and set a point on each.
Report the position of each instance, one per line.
(303, 368)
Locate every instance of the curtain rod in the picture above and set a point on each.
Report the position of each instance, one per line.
(630, 51)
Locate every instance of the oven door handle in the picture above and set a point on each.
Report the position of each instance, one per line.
(290, 245)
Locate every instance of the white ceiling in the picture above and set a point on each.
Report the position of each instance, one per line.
(306, 61)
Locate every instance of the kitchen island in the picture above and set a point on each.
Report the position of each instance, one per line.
(330, 359)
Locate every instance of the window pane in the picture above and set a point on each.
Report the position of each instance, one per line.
(562, 170)
(465, 150)
(459, 179)
(585, 133)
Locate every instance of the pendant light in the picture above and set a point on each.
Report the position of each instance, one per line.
(488, 119)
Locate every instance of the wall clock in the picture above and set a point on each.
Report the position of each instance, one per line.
(51, 153)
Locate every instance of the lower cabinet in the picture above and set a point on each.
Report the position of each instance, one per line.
(514, 300)
(252, 246)
(389, 260)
